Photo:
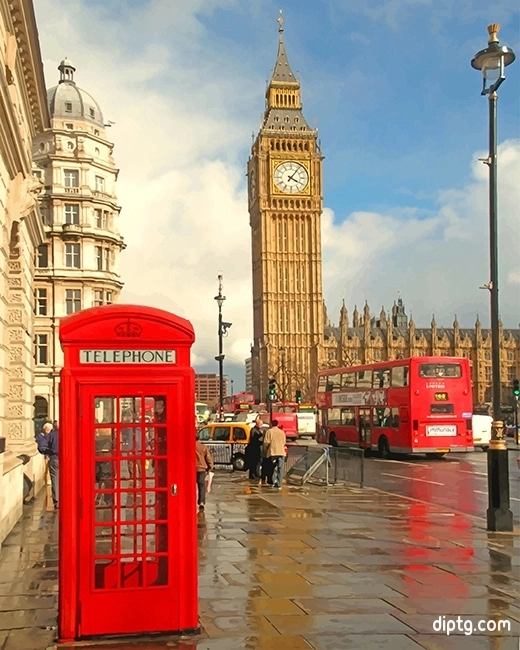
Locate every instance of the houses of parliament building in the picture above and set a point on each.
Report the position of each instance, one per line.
(293, 336)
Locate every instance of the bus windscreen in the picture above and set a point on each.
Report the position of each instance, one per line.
(433, 370)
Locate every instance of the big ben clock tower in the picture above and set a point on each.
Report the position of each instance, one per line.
(285, 205)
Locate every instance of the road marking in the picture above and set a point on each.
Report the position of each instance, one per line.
(400, 462)
(411, 478)
(466, 471)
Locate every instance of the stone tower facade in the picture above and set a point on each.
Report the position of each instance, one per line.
(285, 205)
(78, 265)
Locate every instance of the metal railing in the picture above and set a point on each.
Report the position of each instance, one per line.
(324, 465)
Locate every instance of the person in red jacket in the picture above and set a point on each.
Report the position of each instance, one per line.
(205, 464)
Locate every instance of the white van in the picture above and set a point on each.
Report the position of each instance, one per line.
(306, 425)
(481, 425)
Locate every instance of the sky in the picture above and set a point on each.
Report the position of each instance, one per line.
(402, 125)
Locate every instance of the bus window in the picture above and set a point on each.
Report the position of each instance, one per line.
(440, 370)
(382, 378)
(322, 384)
(333, 382)
(400, 376)
(379, 415)
(348, 417)
(348, 380)
(364, 379)
(333, 417)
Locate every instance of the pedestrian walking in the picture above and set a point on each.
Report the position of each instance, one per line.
(205, 464)
(274, 448)
(253, 451)
(47, 442)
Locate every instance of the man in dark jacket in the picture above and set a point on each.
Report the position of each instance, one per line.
(47, 442)
(253, 451)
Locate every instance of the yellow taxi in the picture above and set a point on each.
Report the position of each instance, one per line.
(236, 433)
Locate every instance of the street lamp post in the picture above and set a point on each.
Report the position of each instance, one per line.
(492, 62)
(222, 331)
(282, 363)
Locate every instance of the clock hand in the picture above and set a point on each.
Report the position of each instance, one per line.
(291, 178)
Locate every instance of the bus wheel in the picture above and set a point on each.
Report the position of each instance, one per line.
(333, 442)
(435, 454)
(384, 449)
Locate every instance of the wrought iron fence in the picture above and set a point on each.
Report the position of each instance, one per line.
(322, 464)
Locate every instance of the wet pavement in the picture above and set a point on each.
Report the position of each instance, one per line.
(312, 567)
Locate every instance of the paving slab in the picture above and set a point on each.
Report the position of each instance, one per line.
(312, 567)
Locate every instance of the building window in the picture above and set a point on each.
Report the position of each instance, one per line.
(42, 261)
(41, 349)
(92, 113)
(72, 213)
(97, 217)
(72, 256)
(68, 107)
(100, 184)
(69, 126)
(45, 215)
(102, 297)
(98, 297)
(106, 216)
(72, 300)
(40, 302)
(37, 174)
(106, 259)
(71, 177)
(99, 258)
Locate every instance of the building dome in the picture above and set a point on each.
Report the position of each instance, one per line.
(66, 100)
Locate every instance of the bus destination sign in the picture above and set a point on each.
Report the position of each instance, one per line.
(127, 356)
(441, 397)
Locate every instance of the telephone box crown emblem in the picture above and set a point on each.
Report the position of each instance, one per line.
(128, 329)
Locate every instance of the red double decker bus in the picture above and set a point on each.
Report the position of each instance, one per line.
(239, 403)
(421, 405)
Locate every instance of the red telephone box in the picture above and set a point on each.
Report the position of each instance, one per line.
(127, 512)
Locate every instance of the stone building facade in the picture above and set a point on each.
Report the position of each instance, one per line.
(78, 264)
(392, 335)
(23, 116)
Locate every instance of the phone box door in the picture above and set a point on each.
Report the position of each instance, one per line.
(137, 518)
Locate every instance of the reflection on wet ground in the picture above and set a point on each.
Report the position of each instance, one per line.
(304, 568)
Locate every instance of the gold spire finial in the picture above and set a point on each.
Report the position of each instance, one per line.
(280, 21)
(493, 33)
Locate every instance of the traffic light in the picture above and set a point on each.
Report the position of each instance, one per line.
(272, 389)
(516, 389)
(298, 396)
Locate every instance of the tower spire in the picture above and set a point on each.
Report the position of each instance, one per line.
(282, 72)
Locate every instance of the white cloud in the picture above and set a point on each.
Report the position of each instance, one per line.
(180, 135)
(437, 260)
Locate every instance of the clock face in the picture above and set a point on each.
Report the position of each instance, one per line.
(291, 177)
